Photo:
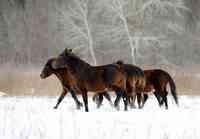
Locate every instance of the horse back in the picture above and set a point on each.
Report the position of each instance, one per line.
(109, 75)
(156, 78)
(94, 78)
(157, 74)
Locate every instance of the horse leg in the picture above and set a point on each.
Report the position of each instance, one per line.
(162, 101)
(165, 99)
(158, 98)
(166, 103)
(139, 100)
(145, 98)
(64, 92)
(132, 101)
(107, 96)
(85, 99)
(78, 103)
(125, 99)
(129, 100)
(117, 100)
(95, 98)
(100, 100)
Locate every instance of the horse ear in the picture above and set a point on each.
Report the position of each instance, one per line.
(120, 62)
(70, 50)
(66, 51)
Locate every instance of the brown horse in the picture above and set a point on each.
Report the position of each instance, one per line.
(158, 79)
(93, 78)
(135, 84)
(65, 78)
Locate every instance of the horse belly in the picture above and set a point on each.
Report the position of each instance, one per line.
(96, 86)
(148, 88)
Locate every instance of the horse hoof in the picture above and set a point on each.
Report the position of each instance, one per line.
(55, 107)
(78, 107)
(140, 107)
(125, 108)
(98, 106)
(80, 104)
(117, 108)
(111, 104)
(133, 106)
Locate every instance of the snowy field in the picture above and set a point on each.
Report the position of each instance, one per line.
(34, 118)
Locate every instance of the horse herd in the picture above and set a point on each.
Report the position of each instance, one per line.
(126, 80)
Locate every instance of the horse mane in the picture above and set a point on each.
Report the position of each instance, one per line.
(76, 65)
(69, 53)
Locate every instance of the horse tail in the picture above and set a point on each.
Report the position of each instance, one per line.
(173, 89)
(141, 84)
(142, 80)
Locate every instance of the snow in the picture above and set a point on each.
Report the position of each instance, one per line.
(35, 118)
(2, 94)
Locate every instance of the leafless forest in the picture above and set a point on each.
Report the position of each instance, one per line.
(149, 33)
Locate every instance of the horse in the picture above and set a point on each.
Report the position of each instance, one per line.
(135, 84)
(157, 80)
(110, 77)
(65, 78)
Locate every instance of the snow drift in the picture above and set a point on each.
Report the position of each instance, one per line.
(35, 118)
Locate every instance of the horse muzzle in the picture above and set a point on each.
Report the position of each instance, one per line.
(42, 76)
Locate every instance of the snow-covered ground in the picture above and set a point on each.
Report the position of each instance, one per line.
(35, 118)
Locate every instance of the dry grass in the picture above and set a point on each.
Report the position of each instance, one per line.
(188, 84)
(28, 83)
(18, 82)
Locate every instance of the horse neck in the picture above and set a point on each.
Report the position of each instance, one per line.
(78, 64)
(59, 75)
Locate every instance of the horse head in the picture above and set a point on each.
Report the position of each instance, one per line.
(47, 70)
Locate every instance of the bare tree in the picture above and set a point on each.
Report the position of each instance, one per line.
(75, 18)
(162, 22)
(118, 5)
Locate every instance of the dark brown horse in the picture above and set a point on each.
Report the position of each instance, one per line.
(65, 78)
(157, 80)
(135, 84)
(93, 78)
